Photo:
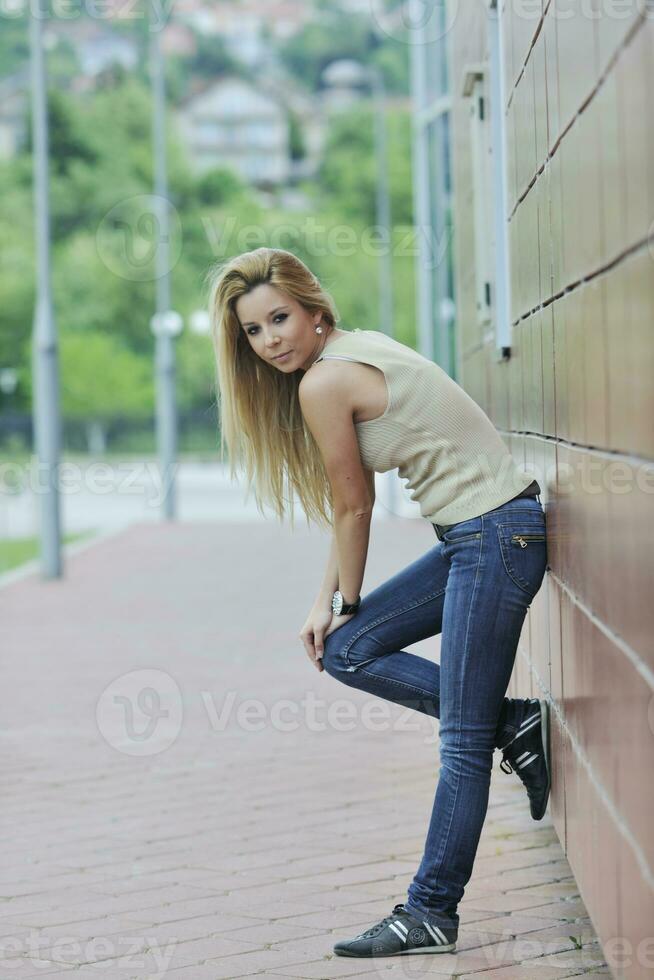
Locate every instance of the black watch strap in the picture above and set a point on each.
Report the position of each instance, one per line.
(351, 608)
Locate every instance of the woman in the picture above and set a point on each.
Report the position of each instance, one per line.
(325, 408)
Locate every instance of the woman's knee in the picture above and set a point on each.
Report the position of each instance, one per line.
(334, 657)
(466, 753)
(350, 651)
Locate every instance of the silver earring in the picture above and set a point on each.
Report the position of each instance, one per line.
(318, 329)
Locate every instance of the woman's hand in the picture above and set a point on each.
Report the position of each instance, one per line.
(338, 621)
(320, 623)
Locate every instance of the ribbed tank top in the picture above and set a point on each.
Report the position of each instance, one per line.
(436, 436)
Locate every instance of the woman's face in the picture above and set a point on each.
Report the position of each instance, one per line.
(275, 324)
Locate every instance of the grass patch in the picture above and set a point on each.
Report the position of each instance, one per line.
(17, 551)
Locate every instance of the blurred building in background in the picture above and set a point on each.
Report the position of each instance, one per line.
(552, 155)
(235, 124)
(245, 27)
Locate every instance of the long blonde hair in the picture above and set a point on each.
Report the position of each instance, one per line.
(261, 419)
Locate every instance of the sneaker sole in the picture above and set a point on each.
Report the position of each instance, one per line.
(545, 742)
(401, 952)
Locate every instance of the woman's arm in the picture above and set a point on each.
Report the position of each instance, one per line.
(352, 533)
(330, 581)
(326, 402)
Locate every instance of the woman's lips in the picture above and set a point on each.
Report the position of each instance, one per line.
(280, 357)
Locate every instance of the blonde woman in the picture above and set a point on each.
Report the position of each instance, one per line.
(311, 408)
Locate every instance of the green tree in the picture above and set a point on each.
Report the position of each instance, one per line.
(66, 142)
(211, 59)
(336, 35)
(297, 147)
(101, 378)
(14, 43)
(348, 176)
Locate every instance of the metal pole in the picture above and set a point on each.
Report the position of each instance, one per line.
(383, 208)
(500, 209)
(166, 409)
(441, 201)
(45, 370)
(421, 216)
(383, 205)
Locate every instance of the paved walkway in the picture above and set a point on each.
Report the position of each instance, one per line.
(185, 796)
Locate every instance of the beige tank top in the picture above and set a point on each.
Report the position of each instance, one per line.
(436, 436)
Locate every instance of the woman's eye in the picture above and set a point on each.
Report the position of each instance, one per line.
(275, 318)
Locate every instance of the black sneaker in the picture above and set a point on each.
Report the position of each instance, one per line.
(400, 932)
(526, 752)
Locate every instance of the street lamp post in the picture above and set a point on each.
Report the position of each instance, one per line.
(8, 380)
(383, 201)
(164, 325)
(200, 322)
(45, 368)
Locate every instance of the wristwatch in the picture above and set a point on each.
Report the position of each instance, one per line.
(342, 608)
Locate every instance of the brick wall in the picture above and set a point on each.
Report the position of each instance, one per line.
(575, 402)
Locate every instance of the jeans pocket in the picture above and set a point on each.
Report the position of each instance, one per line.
(463, 531)
(523, 546)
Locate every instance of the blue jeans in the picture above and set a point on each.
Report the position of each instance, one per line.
(474, 587)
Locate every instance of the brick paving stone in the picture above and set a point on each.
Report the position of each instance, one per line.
(375, 909)
(298, 836)
(516, 858)
(197, 951)
(337, 918)
(27, 969)
(472, 937)
(313, 948)
(520, 972)
(486, 957)
(147, 898)
(370, 892)
(323, 969)
(517, 924)
(224, 911)
(360, 874)
(524, 879)
(209, 927)
(408, 973)
(23, 968)
(204, 971)
(563, 909)
(110, 969)
(503, 902)
(280, 931)
(42, 938)
(233, 966)
(557, 889)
